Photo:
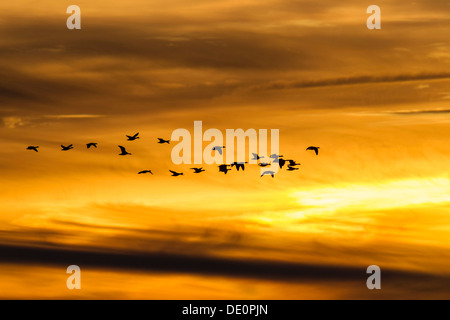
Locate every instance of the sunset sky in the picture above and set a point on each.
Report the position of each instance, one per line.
(377, 102)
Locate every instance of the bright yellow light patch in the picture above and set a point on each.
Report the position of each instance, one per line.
(387, 195)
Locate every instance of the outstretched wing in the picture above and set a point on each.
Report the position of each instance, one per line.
(173, 172)
(122, 149)
(135, 136)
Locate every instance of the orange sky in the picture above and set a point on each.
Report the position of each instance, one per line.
(375, 101)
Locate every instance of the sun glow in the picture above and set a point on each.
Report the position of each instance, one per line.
(386, 195)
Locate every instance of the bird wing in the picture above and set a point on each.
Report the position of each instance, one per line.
(316, 151)
(173, 172)
(135, 136)
(122, 149)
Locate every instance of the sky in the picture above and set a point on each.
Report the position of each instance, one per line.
(375, 101)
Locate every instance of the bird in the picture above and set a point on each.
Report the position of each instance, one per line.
(219, 149)
(316, 149)
(35, 148)
(268, 173)
(281, 162)
(293, 163)
(163, 141)
(64, 148)
(291, 168)
(238, 165)
(264, 164)
(198, 170)
(132, 138)
(256, 157)
(224, 168)
(278, 159)
(174, 173)
(275, 156)
(145, 171)
(124, 152)
(91, 144)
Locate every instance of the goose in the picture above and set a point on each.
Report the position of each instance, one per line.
(132, 138)
(175, 174)
(35, 148)
(316, 149)
(124, 152)
(64, 148)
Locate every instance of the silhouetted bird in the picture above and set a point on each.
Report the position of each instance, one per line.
(175, 174)
(35, 148)
(316, 149)
(291, 168)
(238, 165)
(163, 141)
(219, 149)
(132, 138)
(293, 163)
(64, 148)
(278, 159)
(91, 144)
(268, 173)
(264, 164)
(124, 152)
(198, 170)
(224, 168)
(256, 157)
(145, 171)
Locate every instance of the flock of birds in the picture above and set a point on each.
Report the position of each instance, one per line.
(279, 159)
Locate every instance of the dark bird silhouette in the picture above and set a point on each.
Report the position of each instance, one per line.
(123, 151)
(268, 173)
(175, 174)
(316, 149)
(64, 148)
(35, 148)
(291, 168)
(264, 164)
(224, 168)
(163, 141)
(293, 163)
(198, 170)
(132, 138)
(145, 171)
(278, 159)
(219, 149)
(239, 165)
(91, 144)
(256, 157)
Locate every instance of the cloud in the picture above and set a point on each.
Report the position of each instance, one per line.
(419, 112)
(178, 263)
(13, 122)
(357, 80)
